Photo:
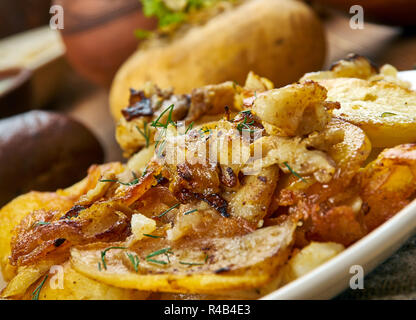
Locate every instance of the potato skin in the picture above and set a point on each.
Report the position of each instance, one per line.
(278, 39)
(43, 151)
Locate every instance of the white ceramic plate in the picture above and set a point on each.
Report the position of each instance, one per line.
(334, 276)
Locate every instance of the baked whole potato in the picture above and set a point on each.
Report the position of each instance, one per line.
(181, 226)
(278, 39)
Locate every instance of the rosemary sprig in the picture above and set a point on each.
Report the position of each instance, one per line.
(293, 172)
(134, 259)
(145, 133)
(131, 183)
(104, 252)
(36, 292)
(165, 212)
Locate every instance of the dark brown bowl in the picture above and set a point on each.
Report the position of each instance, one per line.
(99, 35)
(20, 15)
(15, 91)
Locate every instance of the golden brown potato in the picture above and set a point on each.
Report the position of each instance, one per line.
(374, 99)
(236, 263)
(384, 110)
(12, 213)
(76, 286)
(309, 258)
(227, 47)
(388, 183)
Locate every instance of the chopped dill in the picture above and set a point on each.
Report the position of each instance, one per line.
(104, 252)
(134, 259)
(165, 212)
(36, 292)
(293, 172)
(145, 133)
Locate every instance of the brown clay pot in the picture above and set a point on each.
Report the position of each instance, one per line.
(393, 12)
(99, 35)
(20, 15)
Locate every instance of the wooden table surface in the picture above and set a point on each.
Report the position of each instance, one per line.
(382, 44)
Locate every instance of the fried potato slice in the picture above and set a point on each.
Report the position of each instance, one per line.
(349, 155)
(75, 286)
(241, 262)
(16, 210)
(309, 258)
(384, 110)
(252, 200)
(25, 277)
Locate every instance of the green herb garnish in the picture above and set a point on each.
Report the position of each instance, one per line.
(158, 252)
(151, 236)
(142, 34)
(36, 292)
(145, 133)
(131, 183)
(293, 172)
(104, 252)
(157, 124)
(165, 16)
(388, 114)
(190, 211)
(191, 263)
(144, 171)
(99, 266)
(244, 126)
(157, 261)
(165, 212)
(189, 128)
(40, 223)
(134, 259)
